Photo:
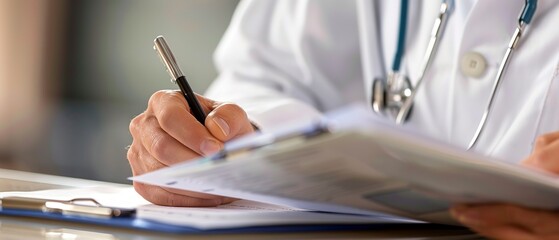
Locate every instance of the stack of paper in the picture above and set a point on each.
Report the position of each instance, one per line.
(363, 165)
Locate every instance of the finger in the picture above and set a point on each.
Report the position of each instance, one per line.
(162, 146)
(540, 221)
(142, 161)
(149, 164)
(228, 121)
(467, 215)
(207, 104)
(546, 139)
(540, 143)
(546, 158)
(504, 232)
(174, 118)
(160, 196)
(176, 95)
(133, 156)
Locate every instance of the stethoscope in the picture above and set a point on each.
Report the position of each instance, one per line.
(394, 94)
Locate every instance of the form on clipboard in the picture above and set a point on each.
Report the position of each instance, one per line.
(239, 216)
(356, 162)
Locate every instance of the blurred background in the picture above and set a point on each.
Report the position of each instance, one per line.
(73, 73)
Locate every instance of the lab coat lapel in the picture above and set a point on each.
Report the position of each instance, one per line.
(487, 31)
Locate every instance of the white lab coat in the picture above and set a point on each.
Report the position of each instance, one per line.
(293, 59)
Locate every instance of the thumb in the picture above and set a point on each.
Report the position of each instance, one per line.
(228, 121)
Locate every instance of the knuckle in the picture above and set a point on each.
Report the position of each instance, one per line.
(135, 123)
(231, 108)
(171, 96)
(543, 140)
(132, 155)
(541, 156)
(156, 96)
(167, 118)
(135, 161)
(175, 96)
(160, 148)
(162, 96)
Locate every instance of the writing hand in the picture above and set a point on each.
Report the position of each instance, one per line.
(166, 133)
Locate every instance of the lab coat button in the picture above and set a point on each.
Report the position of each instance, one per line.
(473, 64)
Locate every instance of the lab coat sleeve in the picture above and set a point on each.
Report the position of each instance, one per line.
(259, 69)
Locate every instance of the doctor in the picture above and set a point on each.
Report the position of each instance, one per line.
(482, 75)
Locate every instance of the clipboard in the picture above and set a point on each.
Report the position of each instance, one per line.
(89, 211)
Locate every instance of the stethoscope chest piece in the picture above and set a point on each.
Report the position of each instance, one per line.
(389, 96)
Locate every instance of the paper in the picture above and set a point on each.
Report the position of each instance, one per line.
(309, 178)
(241, 213)
(364, 166)
(245, 213)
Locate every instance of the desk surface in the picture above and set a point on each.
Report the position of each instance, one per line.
(30, 228)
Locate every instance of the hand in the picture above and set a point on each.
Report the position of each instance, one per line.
(166, 133)
(506, 221)
(546, 153)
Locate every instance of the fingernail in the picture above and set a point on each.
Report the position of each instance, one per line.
(223, 126)
(209, 146)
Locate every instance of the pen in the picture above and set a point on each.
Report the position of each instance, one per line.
(160, 45)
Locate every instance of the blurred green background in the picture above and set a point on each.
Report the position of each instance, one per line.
(73, 73)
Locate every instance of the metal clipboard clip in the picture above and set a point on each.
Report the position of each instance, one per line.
(74, 207)
(258, 141)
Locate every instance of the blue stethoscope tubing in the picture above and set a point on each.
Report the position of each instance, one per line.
(407, 95)
(391, 94)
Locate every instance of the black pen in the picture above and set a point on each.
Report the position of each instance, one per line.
(160, 45)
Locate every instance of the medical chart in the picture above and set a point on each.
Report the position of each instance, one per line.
(364, 167)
